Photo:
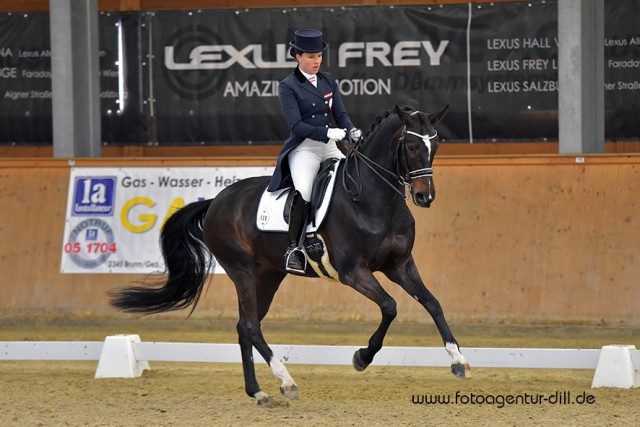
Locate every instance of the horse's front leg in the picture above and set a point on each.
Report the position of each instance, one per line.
(408, 277)
(364, 282)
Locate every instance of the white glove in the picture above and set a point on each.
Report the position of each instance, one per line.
(356, 134)
(336, 134)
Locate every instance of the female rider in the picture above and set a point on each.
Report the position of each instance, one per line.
(309, 99)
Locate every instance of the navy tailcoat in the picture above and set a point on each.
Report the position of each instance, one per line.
(308, 111)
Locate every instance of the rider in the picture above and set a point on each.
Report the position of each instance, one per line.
(309, 98)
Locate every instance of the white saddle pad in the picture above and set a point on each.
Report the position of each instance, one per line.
(270, 215)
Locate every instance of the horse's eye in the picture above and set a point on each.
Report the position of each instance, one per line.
(412, 148)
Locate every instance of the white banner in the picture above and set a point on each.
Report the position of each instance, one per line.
(114, 215)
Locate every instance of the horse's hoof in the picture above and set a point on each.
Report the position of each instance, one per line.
(262, 398)
(461, 370)
(358, 363)
(290, 392)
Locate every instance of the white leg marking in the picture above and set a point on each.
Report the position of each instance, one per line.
(261, 397)
(455, 354)
(280, 372)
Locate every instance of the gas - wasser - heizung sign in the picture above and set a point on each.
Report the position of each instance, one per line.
(114, 215)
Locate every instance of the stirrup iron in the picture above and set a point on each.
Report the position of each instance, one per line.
(299, 252)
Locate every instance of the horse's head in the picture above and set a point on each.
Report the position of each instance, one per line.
(416, 149)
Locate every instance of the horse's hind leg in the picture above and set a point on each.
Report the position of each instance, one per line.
(251, 386)
(407, 276)
(250, 335)
(255, 296)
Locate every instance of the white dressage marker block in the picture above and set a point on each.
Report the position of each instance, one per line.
(615, 368)
(118, 359)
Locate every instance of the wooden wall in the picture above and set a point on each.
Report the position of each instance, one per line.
(517, 238)
(446, 149)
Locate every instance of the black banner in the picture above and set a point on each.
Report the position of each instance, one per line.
(219, 70)
(210, 77)
(25, 79)
(514, 72)
(622, 70)
(124, 78)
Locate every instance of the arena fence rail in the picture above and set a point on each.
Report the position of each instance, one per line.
(126, 356)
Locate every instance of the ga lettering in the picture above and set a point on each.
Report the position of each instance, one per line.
(145, 221)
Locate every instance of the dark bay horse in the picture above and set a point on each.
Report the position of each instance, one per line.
(369, 228)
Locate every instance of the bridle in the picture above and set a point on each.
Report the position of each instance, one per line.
(405, 179)
(418, 173)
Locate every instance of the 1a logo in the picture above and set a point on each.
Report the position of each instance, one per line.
(94, 196)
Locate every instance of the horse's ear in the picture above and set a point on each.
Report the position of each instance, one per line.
(403, 115)
(437, 116)
(398, 111)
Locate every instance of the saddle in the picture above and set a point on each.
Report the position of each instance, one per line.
(274, 207)
(273, 216)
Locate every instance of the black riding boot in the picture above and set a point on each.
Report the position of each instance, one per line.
(295, 261)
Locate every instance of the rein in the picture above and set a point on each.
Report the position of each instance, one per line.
(354, 155)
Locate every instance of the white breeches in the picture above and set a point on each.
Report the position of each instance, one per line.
(304, 163)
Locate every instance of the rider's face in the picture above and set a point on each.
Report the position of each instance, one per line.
(310, 62)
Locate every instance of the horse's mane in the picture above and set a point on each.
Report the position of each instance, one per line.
(382, 117)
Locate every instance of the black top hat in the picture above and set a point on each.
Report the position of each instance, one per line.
(308, 41)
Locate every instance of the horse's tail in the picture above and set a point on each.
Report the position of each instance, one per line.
(187, 263)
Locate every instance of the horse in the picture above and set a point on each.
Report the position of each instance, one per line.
(369, 228)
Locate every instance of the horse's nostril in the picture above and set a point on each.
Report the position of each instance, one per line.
(422, 199)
